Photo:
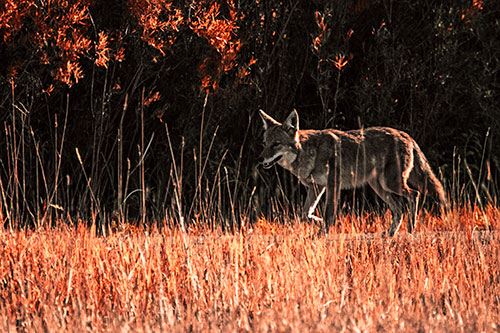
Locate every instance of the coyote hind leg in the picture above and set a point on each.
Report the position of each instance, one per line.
(413, 200)
(394, 203)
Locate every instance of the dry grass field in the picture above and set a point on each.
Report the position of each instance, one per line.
(146, 112)
(271, 276)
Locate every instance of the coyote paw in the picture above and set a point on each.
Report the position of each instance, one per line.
(315, 218)
(322, 232)
(389, 233)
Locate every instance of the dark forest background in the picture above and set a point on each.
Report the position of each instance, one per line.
(147, 109)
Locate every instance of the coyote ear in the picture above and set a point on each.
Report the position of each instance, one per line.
(268, 120)
(291, 124)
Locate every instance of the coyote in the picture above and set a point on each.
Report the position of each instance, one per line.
(389, 160)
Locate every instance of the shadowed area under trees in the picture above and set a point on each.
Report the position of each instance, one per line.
(148, 108)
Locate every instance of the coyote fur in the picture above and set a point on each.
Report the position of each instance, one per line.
(387, 159)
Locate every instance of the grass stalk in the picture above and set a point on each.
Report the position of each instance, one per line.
(95, 206)
(120, 191)
(142, 166)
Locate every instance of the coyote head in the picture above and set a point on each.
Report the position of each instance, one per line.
(280, 140)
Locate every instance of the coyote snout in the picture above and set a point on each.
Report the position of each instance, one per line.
(268, 161)
(386, 159)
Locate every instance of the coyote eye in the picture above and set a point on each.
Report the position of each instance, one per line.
(275, 145)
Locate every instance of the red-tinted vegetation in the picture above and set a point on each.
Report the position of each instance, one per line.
(268, 276)
(130, 198)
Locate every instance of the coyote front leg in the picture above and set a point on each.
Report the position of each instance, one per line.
(312, 201)
(333, 188)
(332, 199)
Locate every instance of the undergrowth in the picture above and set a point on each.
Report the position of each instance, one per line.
(267, 276)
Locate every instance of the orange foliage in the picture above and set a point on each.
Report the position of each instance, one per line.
(159, 21)
(65, 24)
(153, 96)
(220, 34)
(60, 35)
(478, 4)
(244, 71)
(470, 12)
(102, 50)
(349, 34)
(320, 38)
(12, 13)
(69, 73)
(340, 62)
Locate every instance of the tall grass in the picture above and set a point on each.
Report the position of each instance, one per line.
(220, 198)
(214, 264)
(67, 274)
(269, 276)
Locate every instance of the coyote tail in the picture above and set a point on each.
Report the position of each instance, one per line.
(432, 185)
